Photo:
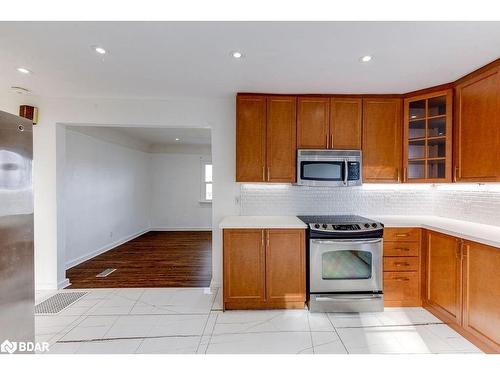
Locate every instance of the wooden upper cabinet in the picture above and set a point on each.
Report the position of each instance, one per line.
(382, 139)
(427, 137)
(345, 123)
(313, 122)
(244, 266)
(478, 128)
(266, 138)
(286, 265)
(281, 139)
(443, 276)
(481, 307)
(250, 138)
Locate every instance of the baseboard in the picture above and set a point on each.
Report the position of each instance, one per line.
(45, 286)
(103, 249)
(63, 284)
(184, 229)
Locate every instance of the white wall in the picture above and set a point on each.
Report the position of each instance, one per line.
(49, 139)
(107, 192)
(175, 198)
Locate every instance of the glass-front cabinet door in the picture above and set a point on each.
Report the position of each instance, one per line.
(427, 137)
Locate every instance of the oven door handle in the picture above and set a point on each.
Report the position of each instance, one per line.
(349, 298)
(351, 242)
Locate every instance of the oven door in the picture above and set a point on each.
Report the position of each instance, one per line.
(322, 172)
(345, 265)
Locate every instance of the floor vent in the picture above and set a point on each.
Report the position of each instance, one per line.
(58, 302)
(106, 272)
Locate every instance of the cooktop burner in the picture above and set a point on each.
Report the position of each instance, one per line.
(341, 223)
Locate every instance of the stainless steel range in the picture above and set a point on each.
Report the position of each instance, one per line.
(345, 264)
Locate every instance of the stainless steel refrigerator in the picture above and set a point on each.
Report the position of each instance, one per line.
(16, 229)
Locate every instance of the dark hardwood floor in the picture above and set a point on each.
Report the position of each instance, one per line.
(153, 260)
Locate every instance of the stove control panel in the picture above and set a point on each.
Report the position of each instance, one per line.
(351, 227)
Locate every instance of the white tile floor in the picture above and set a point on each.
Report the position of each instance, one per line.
(190, 320)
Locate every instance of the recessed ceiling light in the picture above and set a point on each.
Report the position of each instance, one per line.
(237, 54)
(100, 50)
(23, 70)
(177, 139)
(366, 58)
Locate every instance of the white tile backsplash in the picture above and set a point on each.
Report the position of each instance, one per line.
(470, 202)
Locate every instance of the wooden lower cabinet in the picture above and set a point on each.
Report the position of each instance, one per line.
(244, 266)
(443, 271)
(402, 281)
(462, 287)
(481, 294)
(264, 268)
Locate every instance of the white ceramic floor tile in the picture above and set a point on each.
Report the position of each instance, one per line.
(64, 348)
(52, 324)
(203, 346)
(217, 305)
(176, 301)
(109, 347)
(403, 339)
(327, 343)
(389, 317)
(210, 324)
(343, 320)
(262, 321)
(169, 345)
(133, 326)
(261, 343)
(92, 327)
(182, 325)
(75, 311)
(319, 322)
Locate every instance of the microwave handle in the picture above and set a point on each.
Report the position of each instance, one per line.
(346, 172)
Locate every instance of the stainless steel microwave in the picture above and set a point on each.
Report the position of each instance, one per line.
(329, 167)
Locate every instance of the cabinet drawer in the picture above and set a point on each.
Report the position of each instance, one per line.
(401, 249)
(402, 234)
(401, 286)
(401, 263)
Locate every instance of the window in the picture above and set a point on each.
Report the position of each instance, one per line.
(206, 181)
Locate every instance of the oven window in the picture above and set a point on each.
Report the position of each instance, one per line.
(322, 170)
(346, 265)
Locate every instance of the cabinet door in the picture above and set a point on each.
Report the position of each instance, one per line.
(443, 276)
(478, 128)
(244, 266)
(345, 123)
(281, 139)
(285, 263)
(427, 137)
(312, 122)
(382, 125)
(481, 310)
(250, 138)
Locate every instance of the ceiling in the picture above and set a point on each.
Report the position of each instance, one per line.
(181, 59)
(191, 136)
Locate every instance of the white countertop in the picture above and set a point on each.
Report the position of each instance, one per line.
(233, 222)
(482, 233)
